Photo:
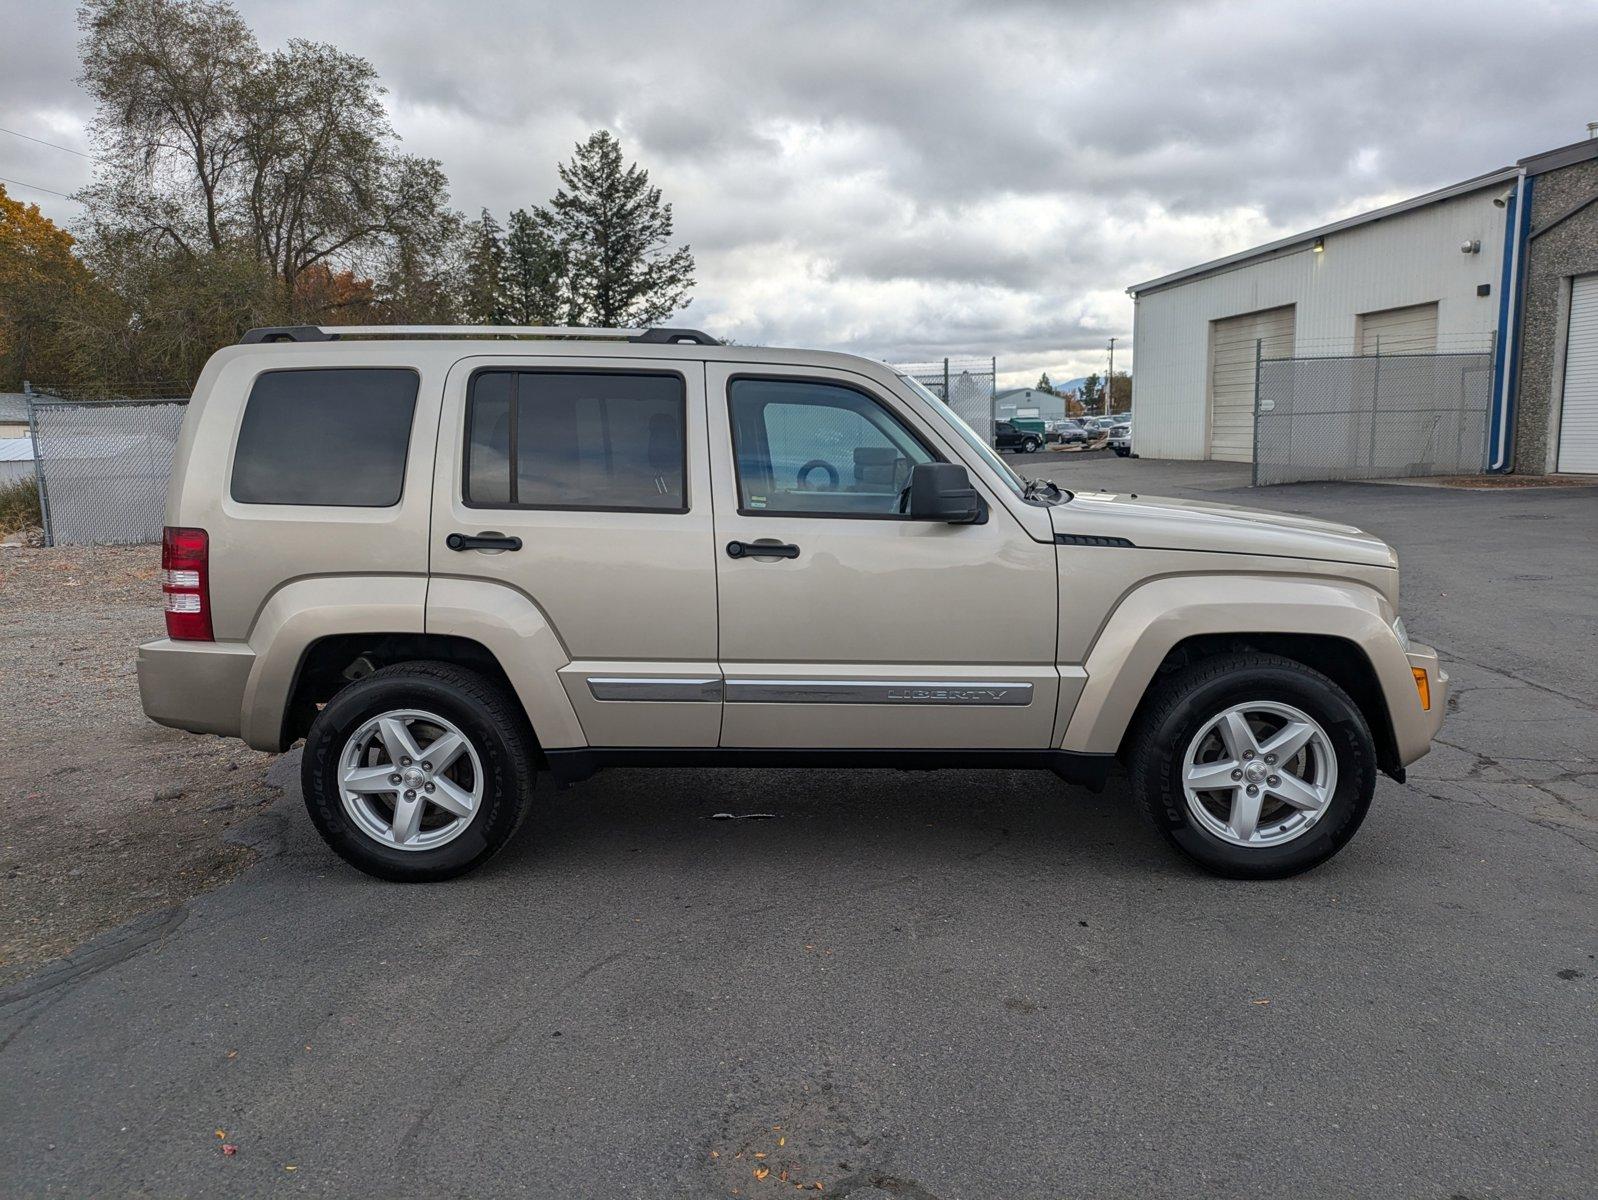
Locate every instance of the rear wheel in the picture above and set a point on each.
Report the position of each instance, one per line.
(418, 772)
(1254, 766)
(1030, 446)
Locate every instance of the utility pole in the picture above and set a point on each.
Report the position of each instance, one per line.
(1109, 382)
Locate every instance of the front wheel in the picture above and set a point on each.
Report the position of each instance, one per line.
(1030, 446)
(1122, 451)
(420, 771)
(1254, 766)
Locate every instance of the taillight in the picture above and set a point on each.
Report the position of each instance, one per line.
(186, 584)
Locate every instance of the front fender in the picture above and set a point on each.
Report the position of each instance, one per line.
(1152, 619)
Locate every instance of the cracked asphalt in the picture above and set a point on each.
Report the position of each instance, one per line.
(958, 984)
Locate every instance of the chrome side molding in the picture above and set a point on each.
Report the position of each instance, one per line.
(851, 691)
(974, 693)
(633, 687)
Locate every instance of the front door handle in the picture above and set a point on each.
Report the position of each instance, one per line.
(482, 541)
(761, 550)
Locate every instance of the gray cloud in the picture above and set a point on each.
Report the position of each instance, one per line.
(915, 178)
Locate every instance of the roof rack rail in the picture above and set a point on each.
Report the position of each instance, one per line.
(692, 337)
(333, 333)
(287, 333)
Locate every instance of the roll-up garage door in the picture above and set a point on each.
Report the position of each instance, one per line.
(1411, 330)
(1578, 421)
(1232, 346)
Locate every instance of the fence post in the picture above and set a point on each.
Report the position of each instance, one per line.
(993, 394)
(946, 381)
(1376, 400)
(38, 470)
(1254, 475)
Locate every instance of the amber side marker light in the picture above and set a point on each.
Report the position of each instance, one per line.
(1423, 686)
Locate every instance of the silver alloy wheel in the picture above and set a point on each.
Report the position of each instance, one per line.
(410, 780)
(1259, 774)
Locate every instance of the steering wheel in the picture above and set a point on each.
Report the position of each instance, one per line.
(818, 464)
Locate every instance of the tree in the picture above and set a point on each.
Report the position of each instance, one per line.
(1044, 385)
(1121, 392)
(482, 299)
(1092, 393)
(41, 279)
(210, 147)
(167, 76)
(614, 233)
(534, 283)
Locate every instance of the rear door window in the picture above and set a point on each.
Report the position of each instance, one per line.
(334, 436)
(591, 440)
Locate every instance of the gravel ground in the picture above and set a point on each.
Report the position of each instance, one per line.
(107, 815)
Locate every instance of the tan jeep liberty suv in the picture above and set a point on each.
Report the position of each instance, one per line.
(450, 557)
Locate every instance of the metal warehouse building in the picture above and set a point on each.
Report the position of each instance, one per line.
(1471, 310)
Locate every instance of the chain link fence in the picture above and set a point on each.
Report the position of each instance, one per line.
(103, 468)
(965, 385)
(1371, 416)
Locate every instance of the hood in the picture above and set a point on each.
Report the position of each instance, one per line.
(1162, 523)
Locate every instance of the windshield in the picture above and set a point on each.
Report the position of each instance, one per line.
(990, 456)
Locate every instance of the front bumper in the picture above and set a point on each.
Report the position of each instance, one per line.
(198, 686)
(1414, 727)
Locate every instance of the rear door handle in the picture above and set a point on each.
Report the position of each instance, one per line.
(761, 550)
(482, 541)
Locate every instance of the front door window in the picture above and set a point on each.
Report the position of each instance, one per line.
(809, 448)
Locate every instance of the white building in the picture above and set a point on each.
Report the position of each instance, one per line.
(1506, 262)
(1420, 276)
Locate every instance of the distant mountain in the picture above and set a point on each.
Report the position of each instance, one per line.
(1070, 385)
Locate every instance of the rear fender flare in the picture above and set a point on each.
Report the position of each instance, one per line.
(306, 610)
(518, 633)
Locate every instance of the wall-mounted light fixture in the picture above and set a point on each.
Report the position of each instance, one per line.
(1320, 246)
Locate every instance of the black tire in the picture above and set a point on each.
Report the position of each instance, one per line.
(1201, 692)
(491, 721)
(1122, 452)
(1030, 446)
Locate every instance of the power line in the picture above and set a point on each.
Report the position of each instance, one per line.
(36, 188)
(53, 145)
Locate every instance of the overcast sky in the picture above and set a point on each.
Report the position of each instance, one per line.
(909, 180)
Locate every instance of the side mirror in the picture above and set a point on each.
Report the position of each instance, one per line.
(943, 492)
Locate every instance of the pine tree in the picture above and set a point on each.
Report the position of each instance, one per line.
(533, 276)
(1044, 385)
(1092, 392)
(484, 299)
(614, 235)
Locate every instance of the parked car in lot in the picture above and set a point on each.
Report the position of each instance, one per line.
(1007, 435)
(449, 563)
(1067, 432)
(1121, 438)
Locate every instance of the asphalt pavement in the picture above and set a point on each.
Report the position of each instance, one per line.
(925, 985)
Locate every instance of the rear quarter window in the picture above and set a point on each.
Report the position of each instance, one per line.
(334, 436)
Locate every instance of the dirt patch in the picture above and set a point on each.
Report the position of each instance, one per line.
(107, 815)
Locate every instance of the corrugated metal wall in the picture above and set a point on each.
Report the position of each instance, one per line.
(1409, 259)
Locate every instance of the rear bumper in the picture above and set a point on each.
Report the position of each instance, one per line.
(198, 686)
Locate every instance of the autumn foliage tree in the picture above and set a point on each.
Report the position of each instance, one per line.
(41, 281)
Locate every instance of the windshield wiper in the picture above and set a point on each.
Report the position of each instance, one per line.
(1045, 490)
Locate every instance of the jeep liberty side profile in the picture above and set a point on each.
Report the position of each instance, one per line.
(448, 558)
